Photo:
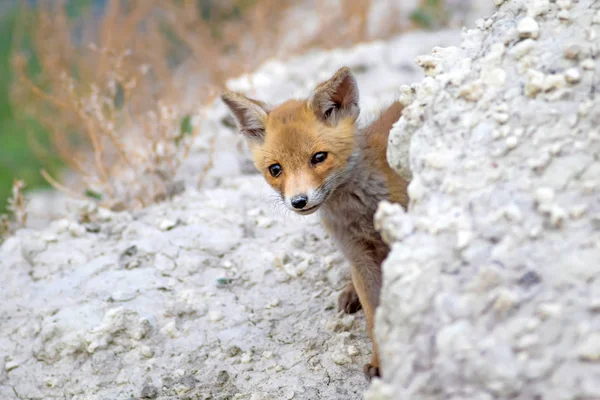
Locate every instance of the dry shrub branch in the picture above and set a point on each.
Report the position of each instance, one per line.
(17, 215)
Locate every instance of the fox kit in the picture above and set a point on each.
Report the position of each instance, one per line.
(316, 157)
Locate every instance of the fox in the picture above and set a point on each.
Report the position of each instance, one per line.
(317, 159)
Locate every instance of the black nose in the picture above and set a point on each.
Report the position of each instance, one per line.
(299, 201)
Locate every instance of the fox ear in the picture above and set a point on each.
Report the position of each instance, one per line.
(251, 115)
(337, 97)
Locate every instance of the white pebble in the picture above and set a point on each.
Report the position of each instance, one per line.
(10, 365)
(353, 351)
(463, 238)
(538, 7)
(528, 28)
(573, 75)
(50, 381)
(537, 81)
(549, 310)
(564, 4)
(553, 82)
(166, 224)
(76, 230)
(557, 216)
(215, 316)
(49, 237)
(544, 195)
(505, 300)
(170, 329)
(264, 222)
(512, 142)
(564, 15)
(588, 64)
(589, 350)
(273, 303)
(471, 91)
(61, 225)
(501, 117)
(522, 48)
(578, 211)
(146, 351)
(431, 65)
(340, 358)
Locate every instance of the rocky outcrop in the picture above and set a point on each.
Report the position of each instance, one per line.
(492, 289)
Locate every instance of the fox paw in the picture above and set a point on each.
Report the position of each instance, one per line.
(348, 300)
(371, 371)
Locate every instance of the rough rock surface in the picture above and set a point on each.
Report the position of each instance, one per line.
(217, 294)
(492, 290)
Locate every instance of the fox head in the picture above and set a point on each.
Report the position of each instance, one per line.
(302, 147)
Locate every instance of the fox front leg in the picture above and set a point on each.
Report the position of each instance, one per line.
(366, 277)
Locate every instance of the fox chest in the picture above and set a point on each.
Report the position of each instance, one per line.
(349, 219)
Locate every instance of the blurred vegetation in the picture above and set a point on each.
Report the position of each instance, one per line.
(431, 14)
(101, 88)
(17, 158)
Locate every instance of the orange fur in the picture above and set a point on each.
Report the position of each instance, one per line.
(377, 139)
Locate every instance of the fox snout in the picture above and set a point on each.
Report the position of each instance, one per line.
(304, 203)
(300, 201)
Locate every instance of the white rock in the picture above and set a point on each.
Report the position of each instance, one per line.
(340, 358)
(538, 7)
(215, 315)
(167, 224)
(522, 48)
(431, 65)
(544, 195)
(264, 222)
(170, 329)
(472, 91)
(589, 349)
(549, 310)
(528, 28)
(573, 75)
(564, 4)
(512, 142)
(353, 351)
(588, 64)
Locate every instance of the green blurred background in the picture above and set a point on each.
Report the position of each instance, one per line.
(17, 157)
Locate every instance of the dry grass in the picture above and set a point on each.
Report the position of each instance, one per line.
(117, 93)
(16, 216)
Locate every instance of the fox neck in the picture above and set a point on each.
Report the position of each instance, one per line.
(362, 186)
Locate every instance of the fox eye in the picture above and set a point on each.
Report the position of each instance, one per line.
(275, 170)
(328, 112)
(318, 158)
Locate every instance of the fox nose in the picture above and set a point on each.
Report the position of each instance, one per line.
(299, 201)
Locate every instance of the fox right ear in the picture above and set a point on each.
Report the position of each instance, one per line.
(337, 97)
(251, 115)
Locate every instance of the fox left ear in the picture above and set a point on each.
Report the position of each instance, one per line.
(336, 98)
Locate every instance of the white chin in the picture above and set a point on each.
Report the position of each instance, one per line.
(308, 211)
